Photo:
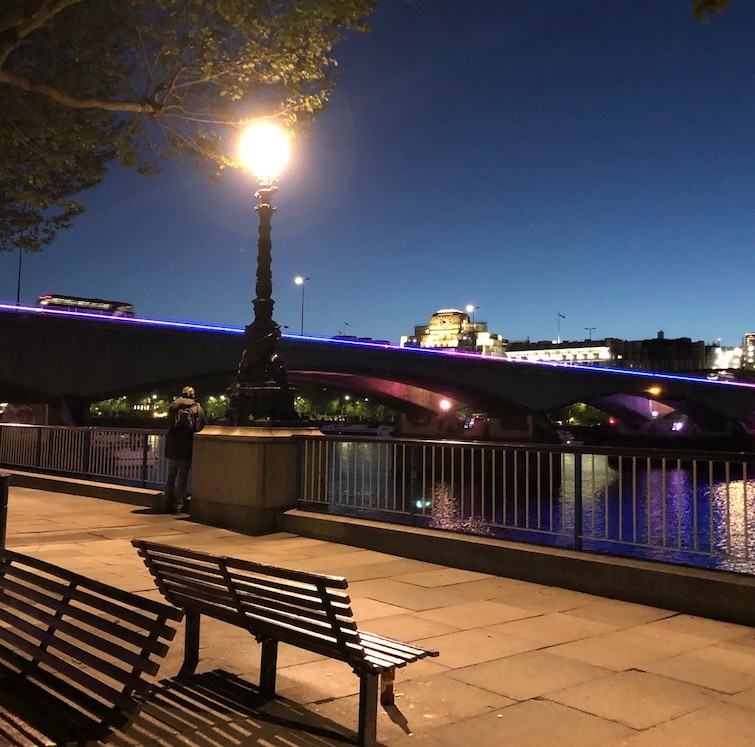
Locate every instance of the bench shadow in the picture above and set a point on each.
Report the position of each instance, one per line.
(217, 707)
(398, 718)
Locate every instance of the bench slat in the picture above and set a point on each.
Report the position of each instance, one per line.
(135, 662)
(247, 565)
(303, 626)
(124, 605)
(305, 595)
(260, 626)
(206, 576)
(273, 582)
(397, 647)
(210, 594)
(143, 640)
(306, 612)
(52, 640)
(92, 630)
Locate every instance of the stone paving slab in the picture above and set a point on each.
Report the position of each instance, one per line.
(521, 665)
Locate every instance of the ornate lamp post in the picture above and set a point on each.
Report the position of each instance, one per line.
(299, 280)
(261, 393)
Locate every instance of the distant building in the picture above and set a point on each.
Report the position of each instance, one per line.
(451, 328)
(748, 351)
(656, 354)
(590, 352)
(454, 329)
(725, 358)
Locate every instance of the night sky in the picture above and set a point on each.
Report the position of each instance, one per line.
(594, 158)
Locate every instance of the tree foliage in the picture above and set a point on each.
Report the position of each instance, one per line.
(86, 82)
(702, 8)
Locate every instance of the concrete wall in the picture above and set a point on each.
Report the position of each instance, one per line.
(243, 477)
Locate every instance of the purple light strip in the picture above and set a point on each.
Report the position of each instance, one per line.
(369, 344)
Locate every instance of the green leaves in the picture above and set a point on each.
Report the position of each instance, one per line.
(86, 82)
(702, 7)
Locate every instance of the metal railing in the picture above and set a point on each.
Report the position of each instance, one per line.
(128, 456)
(682, 507)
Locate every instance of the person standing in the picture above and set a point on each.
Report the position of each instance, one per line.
(185, 418)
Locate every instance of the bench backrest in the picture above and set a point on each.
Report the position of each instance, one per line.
(309, 610)
(90, 644)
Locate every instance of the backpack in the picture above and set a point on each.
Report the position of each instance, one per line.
(186, 419)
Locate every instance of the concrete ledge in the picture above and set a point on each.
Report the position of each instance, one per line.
(88, 488)
(715, 594)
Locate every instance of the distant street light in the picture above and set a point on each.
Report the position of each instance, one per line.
(18, 282)
(471, 310)
(261, 392)
(299, 280)
(589, 331)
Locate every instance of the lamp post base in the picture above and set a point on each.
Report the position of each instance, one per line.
(262, 404)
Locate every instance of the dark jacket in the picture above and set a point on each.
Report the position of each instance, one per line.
(179, 444)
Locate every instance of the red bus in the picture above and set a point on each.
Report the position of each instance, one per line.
(88, 305)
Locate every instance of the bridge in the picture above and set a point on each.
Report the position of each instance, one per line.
(70, 360)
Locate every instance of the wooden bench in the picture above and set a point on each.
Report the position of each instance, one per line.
(307, 610)
(74, 653)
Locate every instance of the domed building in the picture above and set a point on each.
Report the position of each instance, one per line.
(455, 329)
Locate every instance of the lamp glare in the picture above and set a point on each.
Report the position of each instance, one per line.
(264, 150)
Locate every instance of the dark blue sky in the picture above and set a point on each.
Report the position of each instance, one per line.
(593, 157)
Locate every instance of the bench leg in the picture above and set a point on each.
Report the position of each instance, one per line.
(191, 643)
(386, 687)
(368, 695)
(268, 667)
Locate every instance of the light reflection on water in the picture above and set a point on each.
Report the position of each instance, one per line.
(677, 511)
(680, 511)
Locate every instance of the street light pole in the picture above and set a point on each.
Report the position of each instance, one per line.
(589, 331)
(18, 281)
(299, 280)
(261, 392)
(471, 310)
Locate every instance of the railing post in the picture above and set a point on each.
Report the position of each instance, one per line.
(4, 484)
(38, 448)
(86, 457)
(145, 455)
(301, 446)
(577, 501)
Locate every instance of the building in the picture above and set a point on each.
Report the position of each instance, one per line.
(587, 352)
(451, 328)
(748, 351)
(656, 354)
(455, 329)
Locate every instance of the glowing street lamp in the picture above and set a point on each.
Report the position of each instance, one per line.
(261, 392)
(299, 280)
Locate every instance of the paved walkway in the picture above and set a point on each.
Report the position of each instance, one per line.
(521, 665)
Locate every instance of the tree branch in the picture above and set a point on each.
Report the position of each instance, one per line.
(26, 26)
(76, 103)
